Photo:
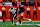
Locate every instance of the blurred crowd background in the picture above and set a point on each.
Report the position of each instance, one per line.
(23, 2)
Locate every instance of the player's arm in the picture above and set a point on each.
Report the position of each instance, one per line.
(17, 11)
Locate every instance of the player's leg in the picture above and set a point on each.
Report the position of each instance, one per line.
(27, 12)
(3, 21)
(12, 19)
(3, 18)
(10, 15)
(30, 17)
(21, 16)
(30, 20)
(33, 16)
(36, 15)
(16, 18)
(17, 21)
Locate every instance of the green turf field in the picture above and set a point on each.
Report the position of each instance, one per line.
(8, 24)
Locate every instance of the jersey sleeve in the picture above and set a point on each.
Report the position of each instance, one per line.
(15, 9)
(9, 10)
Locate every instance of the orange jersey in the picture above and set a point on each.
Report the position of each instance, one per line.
(19, 3)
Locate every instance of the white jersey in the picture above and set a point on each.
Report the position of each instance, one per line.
(0, 13)
(3, 8)
(28, 9)
(34, 9)
(13, 10)
(39, 8)
(17, 4)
